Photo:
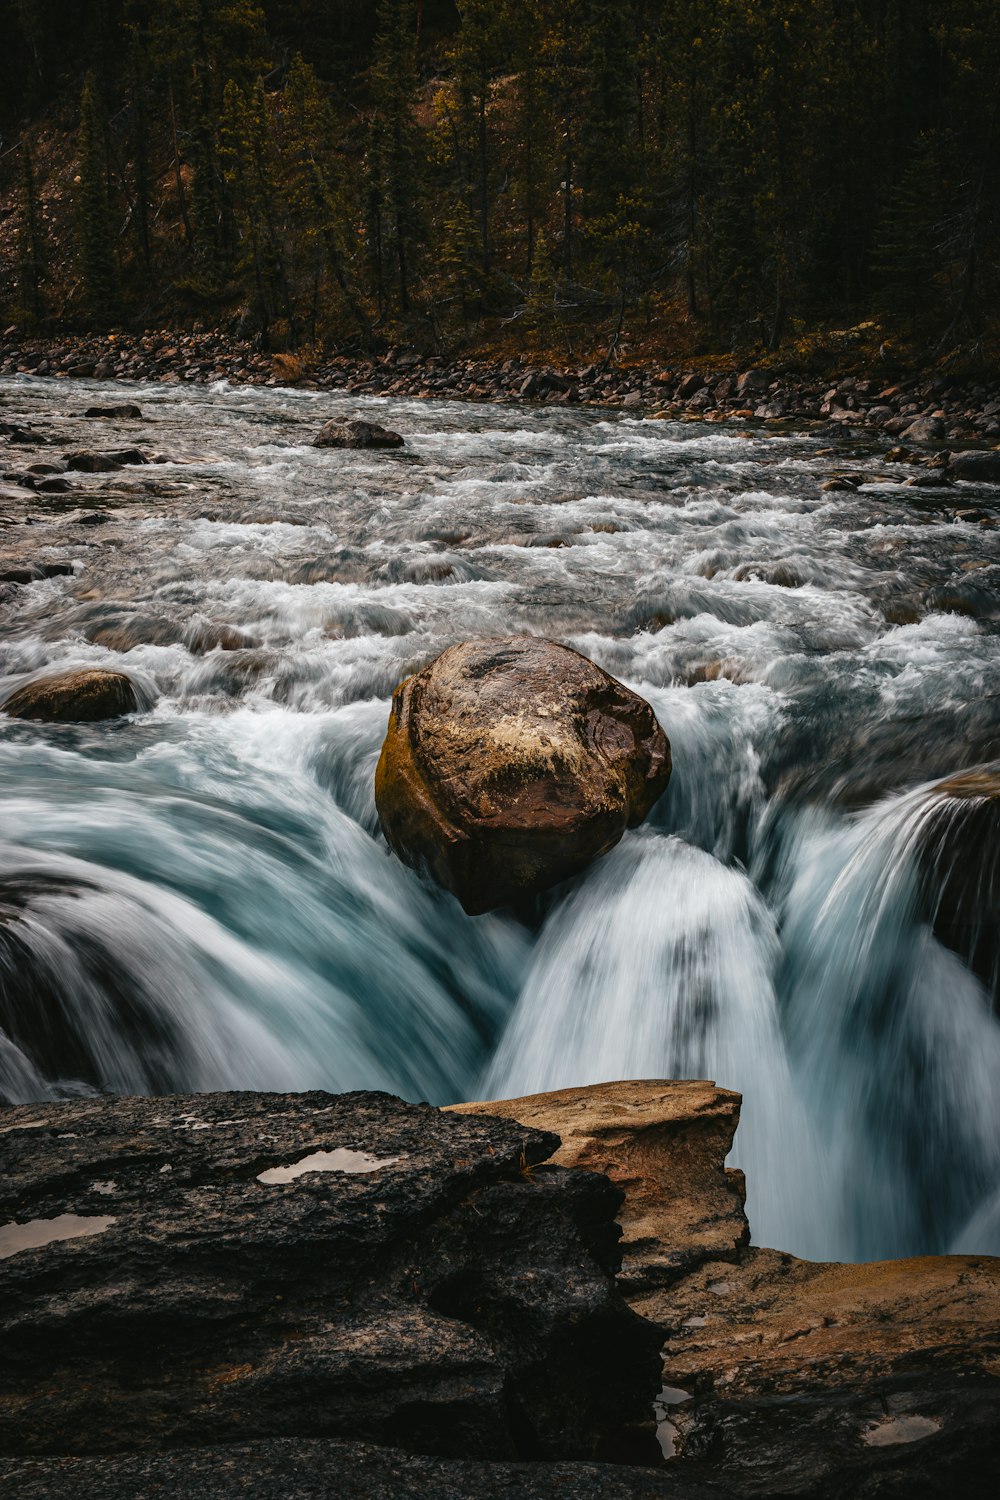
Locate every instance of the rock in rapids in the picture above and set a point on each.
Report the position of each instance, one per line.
(510, 764)
(356, 434)
(81, 697)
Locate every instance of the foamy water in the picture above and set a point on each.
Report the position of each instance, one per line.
(199, 897)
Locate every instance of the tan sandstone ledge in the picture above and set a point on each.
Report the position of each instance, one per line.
(795, 1374)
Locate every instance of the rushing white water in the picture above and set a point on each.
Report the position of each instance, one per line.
(199, 896)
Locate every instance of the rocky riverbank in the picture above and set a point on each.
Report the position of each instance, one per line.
(919, 410)
(246, 1294)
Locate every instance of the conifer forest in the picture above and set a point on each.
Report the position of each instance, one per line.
(346, 173)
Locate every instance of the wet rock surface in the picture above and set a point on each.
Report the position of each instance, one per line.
(664, 1144)
(959, 862)
(510, 764)
(356, 434)
(785, 1377)
(223, 1268)
(85, 696)
(179, 1339)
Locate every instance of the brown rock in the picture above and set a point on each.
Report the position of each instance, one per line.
(81, 697)
(782, 1377)
(356, 434)
(92, 463)
(510, 764)
(664, 1144)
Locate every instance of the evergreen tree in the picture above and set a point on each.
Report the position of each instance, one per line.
(31, 248)
(395, 157)
(477, 52)
(96, 230)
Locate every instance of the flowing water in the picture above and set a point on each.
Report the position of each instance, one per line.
(198, 896)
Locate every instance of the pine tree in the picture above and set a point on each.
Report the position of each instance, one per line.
(395, 163)
(96, 231)
(459, 256)
(317, 213)
(31, 249)
(477, 51)
(540, 308)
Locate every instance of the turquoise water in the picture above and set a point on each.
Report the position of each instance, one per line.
(199, 897)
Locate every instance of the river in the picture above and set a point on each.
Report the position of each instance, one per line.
(198, 897)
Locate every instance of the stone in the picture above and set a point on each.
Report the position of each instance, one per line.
(923, 430)
(664, 1143)
(92, 463)
(689, 387)
(510, 764)
(126, 411)
(785, 1377)
(778, 572)
(32, 572)
(979, 466)
(79, 697)
(356, 434)
(226, 1268)
(752, 383)
(128, 456)
(814, 1379)
(324, 1469)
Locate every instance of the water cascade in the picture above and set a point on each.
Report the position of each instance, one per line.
(198, 896)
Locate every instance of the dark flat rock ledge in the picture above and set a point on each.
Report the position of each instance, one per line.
(315, 1470)
(227, 1267)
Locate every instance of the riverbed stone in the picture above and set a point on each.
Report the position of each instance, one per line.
(786, 1377)
(83, 696)
(665, 1144)
(979, 465)
(509, 764)
(356, 434)
(224, 1268)
(87, 462)
(124, 411)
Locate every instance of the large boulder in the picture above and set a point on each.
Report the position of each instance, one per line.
(510, 764)
(355, 434)
(81, 697)
(224, 1268)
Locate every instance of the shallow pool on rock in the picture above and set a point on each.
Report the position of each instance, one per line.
(198, 896)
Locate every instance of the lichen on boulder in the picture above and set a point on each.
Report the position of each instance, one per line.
(510, 764)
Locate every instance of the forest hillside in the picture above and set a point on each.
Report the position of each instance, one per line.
(779, 176)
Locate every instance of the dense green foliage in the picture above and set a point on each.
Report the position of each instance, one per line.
(344, 170)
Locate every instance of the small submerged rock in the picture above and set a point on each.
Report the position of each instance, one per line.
(510, 764)
(81, 697)
(356, 434)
